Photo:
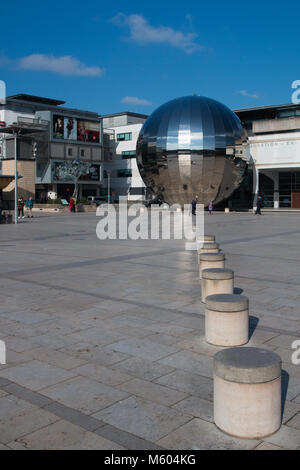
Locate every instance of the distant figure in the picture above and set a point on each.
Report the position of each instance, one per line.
(1, 209)
(194, 205)
(21, 208)
(259, 204)
(29, 205)
(210, 208)
(72, 205)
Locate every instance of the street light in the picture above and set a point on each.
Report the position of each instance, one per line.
(108, 186)
(16, 177)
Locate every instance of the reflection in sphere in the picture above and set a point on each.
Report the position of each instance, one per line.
(192, 146)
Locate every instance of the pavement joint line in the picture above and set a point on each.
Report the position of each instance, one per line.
(296, 334)
(88, 423)
(267, 280)
(77, 264)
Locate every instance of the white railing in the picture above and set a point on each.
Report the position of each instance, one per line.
(32, 121)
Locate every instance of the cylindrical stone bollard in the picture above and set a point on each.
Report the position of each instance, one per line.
(227, 320)
(247, 392)
(207, 238)
(207, 247)
(211, 260)
(216, 281)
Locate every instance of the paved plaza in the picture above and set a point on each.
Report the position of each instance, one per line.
(105, 345)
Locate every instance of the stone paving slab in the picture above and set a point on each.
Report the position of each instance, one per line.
(189, 382)
(143, 418)
(202, 435)
(105, 340)
(36, 375)
(63, 435)
(85, 395)
(142, 368)
(151, 391)
(142, 348)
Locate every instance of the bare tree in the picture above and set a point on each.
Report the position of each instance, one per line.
(73, 170)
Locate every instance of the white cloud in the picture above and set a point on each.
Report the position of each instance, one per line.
(63, 65)
(254, 96)
(143, 33)
(136, 101)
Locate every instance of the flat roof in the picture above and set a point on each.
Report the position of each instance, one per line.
(50, 104)
(36, 99)
(271, 107)
(128, 113)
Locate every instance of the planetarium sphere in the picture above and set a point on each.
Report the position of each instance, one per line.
(192, 146)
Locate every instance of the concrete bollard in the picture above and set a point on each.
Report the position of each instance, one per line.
(207, 238)
(211, 260)
(208, 248)
(227, 320)
(247, 392)
(216, 281)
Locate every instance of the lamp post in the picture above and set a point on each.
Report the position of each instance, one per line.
(108, 186)
(16, 177)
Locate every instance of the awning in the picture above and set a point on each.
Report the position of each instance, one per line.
(5, 180)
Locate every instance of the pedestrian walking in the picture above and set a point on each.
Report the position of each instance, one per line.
(259, 204)
(194, 205)
(29, 206)
(21, 208)
(210, 208)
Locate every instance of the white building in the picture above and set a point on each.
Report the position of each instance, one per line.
(274, 165)
(121, 132)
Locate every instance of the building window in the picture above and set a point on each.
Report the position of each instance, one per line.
(124, 173)
(82, 152)
(137, 191)
(290, 113)
(128, 154)
(126, 136)
(70, 152)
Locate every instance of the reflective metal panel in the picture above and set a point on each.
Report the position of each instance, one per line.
(192, 146)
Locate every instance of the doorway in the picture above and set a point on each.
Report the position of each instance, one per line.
(296, 199)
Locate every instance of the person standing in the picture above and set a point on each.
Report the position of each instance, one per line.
(72, 205)
(210, 208)
(21, 208)
(1, 209)
(29, 205)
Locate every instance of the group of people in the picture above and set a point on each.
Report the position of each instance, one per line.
(194, 206)
(29, 206)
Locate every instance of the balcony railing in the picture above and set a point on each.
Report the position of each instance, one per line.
(27, 121)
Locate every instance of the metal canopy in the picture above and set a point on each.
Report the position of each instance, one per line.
(21, 129)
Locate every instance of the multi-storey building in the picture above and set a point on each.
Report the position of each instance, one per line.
(43, 134)
(121, 132)
(274, 165)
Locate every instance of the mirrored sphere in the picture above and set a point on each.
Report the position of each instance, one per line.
(192, 146)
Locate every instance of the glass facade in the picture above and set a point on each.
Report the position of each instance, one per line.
(124, 136)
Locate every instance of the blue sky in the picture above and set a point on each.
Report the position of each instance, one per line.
(115, 56)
